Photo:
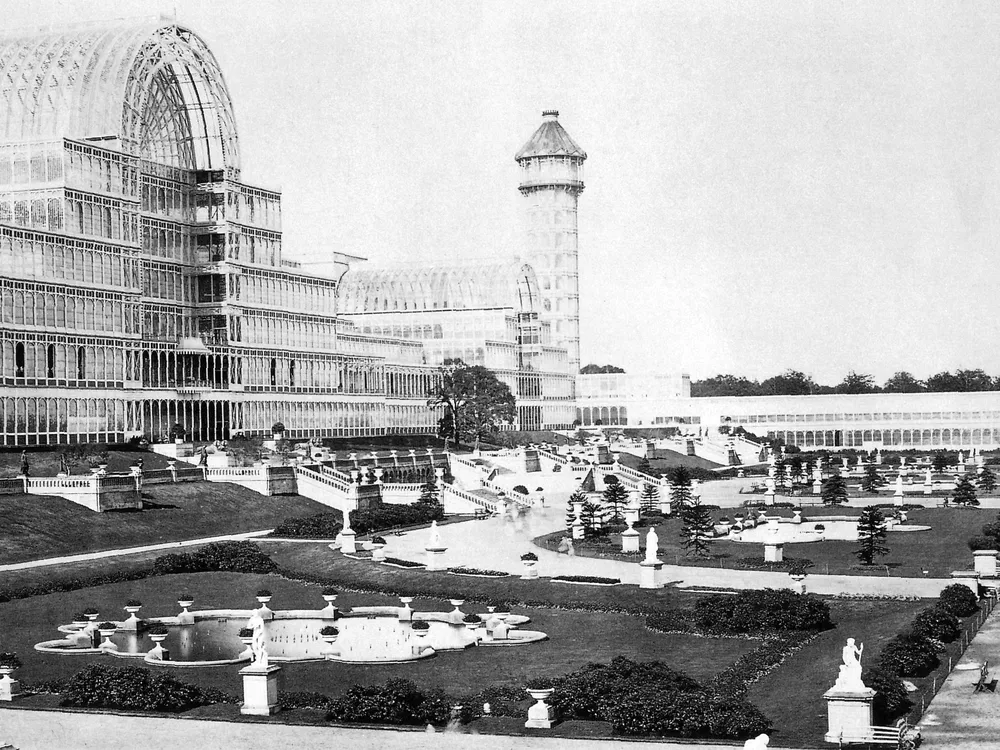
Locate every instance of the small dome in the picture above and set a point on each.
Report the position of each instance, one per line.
(551, 139)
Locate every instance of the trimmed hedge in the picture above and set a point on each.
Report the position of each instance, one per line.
(384, 516)
(235, 557)
(136, 689)
(461, 570)
(768, 610)
(909, 655)
(395, 702)
(319, 526)
(587, 579)
(958, 599)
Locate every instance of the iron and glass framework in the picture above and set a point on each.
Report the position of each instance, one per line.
(143, 282)
(484, 312)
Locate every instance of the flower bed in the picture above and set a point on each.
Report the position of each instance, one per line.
(396, 562)
(587, 580)
(477, 572)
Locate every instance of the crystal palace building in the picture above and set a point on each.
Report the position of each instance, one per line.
(143, 283)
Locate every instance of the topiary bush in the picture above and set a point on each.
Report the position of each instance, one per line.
(395, 702)
(135, 689)
(909, 655)
(764, 610)
(937, 624)
(958, 599)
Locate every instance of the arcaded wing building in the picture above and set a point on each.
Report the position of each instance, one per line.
(143, 280)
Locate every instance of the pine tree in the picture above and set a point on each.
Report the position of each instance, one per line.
(650, 496)
(680, 487)
(615, 498)
(795, 468)
(965, 492)
(696, 530)
(644, 466)
(871, 481)
(871, 535)
(834, 490)
(589, 517)
(576, 497)
(987, 481)
(429, 494)
(780, 472)
(940, 462)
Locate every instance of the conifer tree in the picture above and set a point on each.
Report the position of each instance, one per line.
(589, 516)
(965, 492)
(615, 498)
(834, 490)
(780, 472)
(871, 535)
(987, 480)
(644, 466)
(650, 496)
(429, 494)
(697, 529)
(940, 462)
(871, 481)
(680, 487)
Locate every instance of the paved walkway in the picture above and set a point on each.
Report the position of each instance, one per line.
(957, 718)
(498, 543)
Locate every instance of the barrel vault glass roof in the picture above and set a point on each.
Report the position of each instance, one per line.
(463, 286)
(153, 85)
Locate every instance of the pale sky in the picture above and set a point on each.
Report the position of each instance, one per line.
(769, 184)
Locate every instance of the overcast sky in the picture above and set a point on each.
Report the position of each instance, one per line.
(769, 185)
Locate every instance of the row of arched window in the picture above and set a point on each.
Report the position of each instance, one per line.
(90, 313)
(41, 361)
(34, 256)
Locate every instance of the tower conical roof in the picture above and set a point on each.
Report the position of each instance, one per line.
(551, 139)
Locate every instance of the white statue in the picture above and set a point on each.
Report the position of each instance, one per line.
(757, 743)
(435, 540)
(850, 670)
(652, 545)
(259, 642)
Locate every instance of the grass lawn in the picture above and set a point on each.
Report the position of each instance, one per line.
(575, 638)
(45, 463)
(939, 551)
(36, 527)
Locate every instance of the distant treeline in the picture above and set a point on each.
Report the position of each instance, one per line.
(795, 383)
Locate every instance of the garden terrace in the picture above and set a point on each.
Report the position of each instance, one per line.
(38, 527)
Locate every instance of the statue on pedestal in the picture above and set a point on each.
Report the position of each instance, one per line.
(652, 545)
(850, 671)
(259, 642)
(24, 463)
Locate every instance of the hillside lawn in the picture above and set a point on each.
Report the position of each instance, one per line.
(939, 551)
(37, 527)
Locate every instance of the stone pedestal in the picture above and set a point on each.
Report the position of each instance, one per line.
(435, 558)
(849, 715)
(9, 688)
(630, 540)
(769, 497)
(378, 553)
(774, 552)
(968, 578)
(348, 542)
(530, 570)
(649, 575)
(578, 529)
(260, 690)
(986, 562)
(817, 486)
(541, 715)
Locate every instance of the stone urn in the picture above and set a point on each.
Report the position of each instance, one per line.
(457, 604)
(530, 569)
(263, 599)
(797, 517)
(9, 687)
(329, 598)
(107, 629)
(378, 551)
(540, 715)
(185, 617)
(159, 638)
(329, 635)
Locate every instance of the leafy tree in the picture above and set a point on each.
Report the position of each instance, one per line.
(789, 383)
(696, 530)
(650, 496)
(615, 498)
(872, 480)
(871, 535)
(725, 385)
(581, 437)
(940, 462)
(965, 492)
(476, 400)
(834, 490)
(856, 383)
(680, 487)
(961, 381)
(600, 370)
(987, 480)
(903, 382)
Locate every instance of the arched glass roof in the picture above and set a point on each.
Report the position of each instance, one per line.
(464, 286)
(152, 84)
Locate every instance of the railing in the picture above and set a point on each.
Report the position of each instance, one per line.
(61, 482)
(552, 456)
(628, 471)
(393, 487)
(514, 497)
(482, 502)
(12, 486)
(326, 479)
(234, 471)
(334, 473)
(465, 461)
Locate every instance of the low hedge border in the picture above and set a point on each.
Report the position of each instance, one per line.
(587, 580)
(395, 562)
(478, 573)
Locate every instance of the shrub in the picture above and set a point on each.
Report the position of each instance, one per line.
(318, 526)
(264, 592)
(464, 571)
(329, 591)
(157, 629)
(521, 489)
(378, 540)
(91, 611)
(133, 689)
(133, 603)
(909, 655)
(185, 597)
(890, 700)
(303, 699)
(420, 625)
(8, 659)
(472, 619)
(246, 633)
(329, 630)
(958, 599)
(107, 626)
(761, 610)
(235, 557)
(395, 702)
(937, 624)
(381, 517)
(403, 563)
(79, 617)
(529, 557)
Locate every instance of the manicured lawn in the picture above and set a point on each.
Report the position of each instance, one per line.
(939, 551)
(576, 638)
(35, 527)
